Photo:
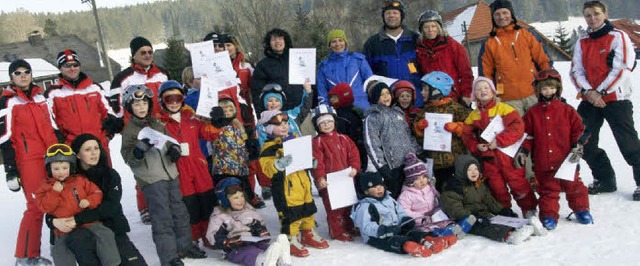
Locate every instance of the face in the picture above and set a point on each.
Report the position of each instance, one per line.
(23, 80)
(483, 92)
(385, 97)
(430, 30)
(425, 92)
(196, 83)
(405, 99)
(144, 56)
(89, 154)
(218, 47)
(421, 182)
(282, 130)
(277, 44)
(274, 103)
(548, 91)
(172, 106)
(70, 70)
(140, 108)
(229, 109)
(327, 126)
(60, 170)
(232, 49)
(237, 201)
(502, 17)
(333, 99)
(392, 18)
(473, 173)
(337, 45)
(376, 192)
(595, 17)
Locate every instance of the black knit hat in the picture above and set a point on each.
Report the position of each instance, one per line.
(368, 180)
(215, 37)
(137, 43)
(65, 56)
(497, 4)
(18, 64)
(376, 91)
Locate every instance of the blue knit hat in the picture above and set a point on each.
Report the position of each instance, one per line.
(266, 97)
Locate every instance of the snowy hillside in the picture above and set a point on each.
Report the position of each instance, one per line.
(612, 240)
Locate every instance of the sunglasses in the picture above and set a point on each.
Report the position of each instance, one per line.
(279, 119)
(18, 72)
(70, 65)
(173, 98)
(392, 4)
(63, 149)
(149, 52)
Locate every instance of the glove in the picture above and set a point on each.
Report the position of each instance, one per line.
(112, 124)
(508, 212)
(454, 127)
(247, 117)
(481, 219)
(388, 231)
(217, 117)
(576, 153)
(283, 162)
(521, 158)
(422, 124)
(142, 146)
(173, 153)
(385, 172)
(407, 224)
(13, 182)
(257, 229)
(233, 243)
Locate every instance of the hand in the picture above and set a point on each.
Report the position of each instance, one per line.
(385, 172)
(454, 127)
(483, 147)
(388, 231)
(407, 223)
(144, 145)
(493, 145)
(508, 212)
(62, 225)
(322, 183)
(595, 98)
(422, 124)
(84, 203)
(353, 172)
(112, 124)
(307, 86)
(283, 162)
(483, 220)
(57, 186)
(173, 153)
(217, 117)
(257, 229)
(13, 182)
(233, 242)
(521, 158)
(576, 153)
(247, 116)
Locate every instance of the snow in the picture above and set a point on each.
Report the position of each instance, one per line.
(612, 240)
(454, 27)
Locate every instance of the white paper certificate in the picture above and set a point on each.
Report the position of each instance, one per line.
(567, 170)
(156, 138)
(302, 65)
(341, 190)
(208, 97)
(513, 149)
(202, 58)
(493, 129)
(300, 151)
(435, 137)
(509, 221)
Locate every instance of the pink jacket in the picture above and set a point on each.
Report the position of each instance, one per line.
(421, 204)
(237, 221)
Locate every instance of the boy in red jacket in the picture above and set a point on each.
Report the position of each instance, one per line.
(556, 130)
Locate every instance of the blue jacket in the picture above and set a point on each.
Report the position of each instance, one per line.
(349, 67)
(389, 212)
(391, 59)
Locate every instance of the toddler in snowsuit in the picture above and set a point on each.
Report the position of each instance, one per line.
(349, 120)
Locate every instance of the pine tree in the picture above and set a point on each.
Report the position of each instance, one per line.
(176, 58)
(51, 27)
(563, 39)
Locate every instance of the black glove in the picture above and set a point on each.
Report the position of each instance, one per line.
(247, 116)
(521, 158)
(142, 146)
(407, 224)
(576, 153)
(481, 219)
(112, 125)
(217, 117)
(385, 171)
(508, 212)
(173, 153)
(221, 236)
(13, 181)
(233, 243)
(388, 231)
(257, 229)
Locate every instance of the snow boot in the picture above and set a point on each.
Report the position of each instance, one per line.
(344, 237)
(416, 250)
(538, 228)
(285, 256)
(145, 216)
(549, 223)
(584, 217)
(35, 261)
(176, 262)
(636, 194)
(266, 192)
(518, 236)
(270, 256)
(467, 223)
(435, 244)
(598, 187)
(297, 249)
(312, 239)
(257, 202)
(193, 252)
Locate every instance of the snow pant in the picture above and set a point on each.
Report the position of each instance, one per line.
(200, 206)
(395, 243)
(549, 189)
(442, 175)
(256, 169)
(169, 219)
(292, 228)
(32, 173)
(500, 172)
(129, 254)
(495, 232)
(247, 255)
(196, 186)
(338, 220)
(91, 245)
(619, 116)
(83, 242)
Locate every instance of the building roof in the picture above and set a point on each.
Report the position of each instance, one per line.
(631, 28)
(40, 68)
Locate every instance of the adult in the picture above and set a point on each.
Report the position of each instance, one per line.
(77, 104)
(511, 57)
(92, 164)
(240, 64)
(274, 68)
(218, 45)
(602, 65)
(27, 130)
(343, 66)
(392, 51)
(437, 51)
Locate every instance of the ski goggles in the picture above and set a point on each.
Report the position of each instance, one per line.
(546, 74)
(395, 4)
(172, 98)
(278, 119)
(59, 148)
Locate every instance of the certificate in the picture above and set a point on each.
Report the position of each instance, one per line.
(300, 151)
(513, 148)
(302, 65)
(509, 221)
(208, 97)
(435, 137)
(341, 189)
(202, 58)
(495, 127)
(156, 138)
(567, 170)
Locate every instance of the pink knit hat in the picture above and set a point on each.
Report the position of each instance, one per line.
(265, 116)
(413, 169)
(475, 83)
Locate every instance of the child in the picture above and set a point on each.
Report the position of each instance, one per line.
(554, 126)
(234, 219)
(387, 137)
(498, 167)
(155, 171)
(274, 98)
(349, 120)
(421, 201)
(196, 184)
(404, 96)
(65, 194)
(385, 225)
(436, 92)
(291, 191)
(467, 199)
(333, 152)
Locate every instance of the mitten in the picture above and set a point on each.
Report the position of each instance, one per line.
(508, 212)
(257, 229)
(247, 116)
(233, 243)
(521, 158)
(388, 231)
(454, 127)
(576, 153)
(112, 125)
(407, 223)
(13, 182)
(173, 153)
(481, 219)
(422, 124)
(142, 146)
(283, 162)
(217, 117)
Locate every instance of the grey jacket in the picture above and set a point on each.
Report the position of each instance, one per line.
(155, 166)
(387, 136)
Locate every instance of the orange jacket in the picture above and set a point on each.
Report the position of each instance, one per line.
(511, 59)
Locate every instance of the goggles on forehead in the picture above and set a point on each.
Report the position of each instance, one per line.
(396, 4)
(279, 119)
(59, 149)
(546, 74)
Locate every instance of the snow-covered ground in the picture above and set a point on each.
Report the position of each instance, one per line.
(612, 240)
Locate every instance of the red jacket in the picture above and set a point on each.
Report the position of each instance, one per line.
(479, 119)
(447, 55)
(334, 152)
(555, 126)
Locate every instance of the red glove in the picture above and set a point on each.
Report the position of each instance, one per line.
(454, 127)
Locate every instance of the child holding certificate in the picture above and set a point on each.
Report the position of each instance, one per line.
(498, 167)
(436, 92)
(555, 126)
(333, 152)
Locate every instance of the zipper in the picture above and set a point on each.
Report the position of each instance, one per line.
(86, 101)
(513, 47)
(75, 194)
(24, 142)
(73, 108)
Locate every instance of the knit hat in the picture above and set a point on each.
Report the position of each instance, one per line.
(66, 56)
(323, 118)
(413, 169)
(375, 92)
(475, 83)
(336, 34)
(213, 36)
(137, 43)
(265, 116)
(266, 96)
(344, 93)
(18, 64)
(497, 4)
(229, 185)
(368, 180)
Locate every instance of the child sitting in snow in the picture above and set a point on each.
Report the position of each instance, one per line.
(235, 218)
(385, 225)
(467, 199)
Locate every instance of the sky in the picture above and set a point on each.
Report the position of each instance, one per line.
(63, 5)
